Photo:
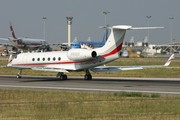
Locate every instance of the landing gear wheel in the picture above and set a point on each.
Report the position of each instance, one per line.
(18, 76)
(19, 73)
(87, 77)
(63, 77)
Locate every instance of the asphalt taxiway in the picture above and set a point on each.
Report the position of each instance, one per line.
(170, 86)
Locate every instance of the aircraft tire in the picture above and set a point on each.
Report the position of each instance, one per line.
(18, 76)
(63, 77)
(87, 77)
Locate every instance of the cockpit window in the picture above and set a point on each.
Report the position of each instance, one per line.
(20, 40)
(45, 43)
(15, 57)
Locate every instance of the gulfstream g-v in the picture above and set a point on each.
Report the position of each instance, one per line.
(80, 59)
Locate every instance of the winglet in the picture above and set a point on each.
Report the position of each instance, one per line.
(9, 64)
(169, 60)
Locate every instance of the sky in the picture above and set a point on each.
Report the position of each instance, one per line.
(26, 18)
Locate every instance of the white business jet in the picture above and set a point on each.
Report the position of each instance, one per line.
(80, 59)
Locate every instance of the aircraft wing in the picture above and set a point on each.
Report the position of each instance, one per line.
(114, 68)
(122, 68)
(50, 69)
(6, 45)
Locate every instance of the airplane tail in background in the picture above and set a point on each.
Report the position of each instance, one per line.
(105, 37)
(12, 31)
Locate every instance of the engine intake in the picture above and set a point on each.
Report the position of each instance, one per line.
(81, 54)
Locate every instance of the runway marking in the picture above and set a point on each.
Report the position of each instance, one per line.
(86, 89)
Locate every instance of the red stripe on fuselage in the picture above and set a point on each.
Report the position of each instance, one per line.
(114, 51)
(25, 43)
(73, 62)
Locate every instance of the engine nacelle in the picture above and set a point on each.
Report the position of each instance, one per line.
(81, 54)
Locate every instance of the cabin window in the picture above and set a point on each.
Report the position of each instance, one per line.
(54, 58)
(33, 59)
(43, 59)
(38, 59)
(49, 59)
(59, 58)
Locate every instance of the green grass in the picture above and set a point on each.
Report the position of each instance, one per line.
(45, 105)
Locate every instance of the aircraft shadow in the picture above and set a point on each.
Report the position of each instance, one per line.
(39, 79)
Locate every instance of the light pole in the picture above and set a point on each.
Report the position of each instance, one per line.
(105, 12)
(171, 18)
(44, 17)
(148, 31)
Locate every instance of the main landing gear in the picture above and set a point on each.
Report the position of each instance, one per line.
(19, 73)
(62, 76)
(88, 75)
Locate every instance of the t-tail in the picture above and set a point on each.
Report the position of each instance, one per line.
(12, 31)
(114, 43)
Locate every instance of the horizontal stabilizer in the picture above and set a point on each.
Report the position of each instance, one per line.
(4, 39)
(127, 27)
(143, 28)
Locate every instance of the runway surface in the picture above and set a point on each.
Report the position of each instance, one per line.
(168, 86)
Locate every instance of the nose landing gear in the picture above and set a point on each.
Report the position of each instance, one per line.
(19, 73)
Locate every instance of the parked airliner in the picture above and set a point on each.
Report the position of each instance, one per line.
(90, 44)
(80, 59)
(87, 44)
(27, 43)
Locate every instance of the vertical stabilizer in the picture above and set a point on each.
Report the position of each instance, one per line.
(115, 41)
(12, 31)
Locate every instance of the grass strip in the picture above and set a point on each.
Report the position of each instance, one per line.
(102, 106)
